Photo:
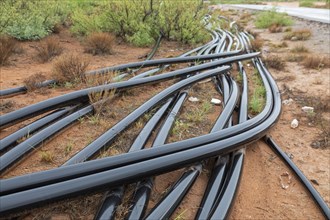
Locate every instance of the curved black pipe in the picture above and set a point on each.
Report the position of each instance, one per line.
(111, 201)
(221, 209)
(82, 95)
(108, 136)
(140, 207)
(15, 154)
(9, 140)
(142, 169)
(106, 163)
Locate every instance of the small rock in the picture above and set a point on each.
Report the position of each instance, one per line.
(316, 144)
(308, 109)
(294, 123)
(290, 155)
(315, 182)
(193, 99)
(287, 101)
(294, 38)
(215, 101)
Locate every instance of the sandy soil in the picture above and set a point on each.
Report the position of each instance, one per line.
(260, 195)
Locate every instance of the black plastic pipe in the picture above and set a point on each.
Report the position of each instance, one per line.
(165, 208)
(82, 95)
(29, 129)
(108, 136)
(163, 61)
(113, 197)
(142, 201)
(15, 154)
(142, 169)
(6, 93)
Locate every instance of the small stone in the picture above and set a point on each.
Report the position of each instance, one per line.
(294, 38)
(287, 101)
(193, 99)
(215, 101)
(316, 144)
(294, 123)
(308, 109)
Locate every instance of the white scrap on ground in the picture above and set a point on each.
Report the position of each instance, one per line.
(215, 101)
(308, 109)
(193, 99)
(287, 101)
(294, 123)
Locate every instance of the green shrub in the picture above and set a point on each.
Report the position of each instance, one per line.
(308, 4)
(30, 20)
(141, 21)
(266, 19)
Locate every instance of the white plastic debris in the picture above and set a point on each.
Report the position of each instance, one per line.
(294, 123)
(308, 109)
(193, 99)
(215, 101)
(287, 101)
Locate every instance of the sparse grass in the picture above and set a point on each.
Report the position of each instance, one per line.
(32, 82)
(199, 113)
(70, 67)
(68, 148)
(275, 62)
(48, 49)
(295, 57)
(275, 28)
(257, 44)
(7, 48)
(46, 156)
(299, 49)
(266, 19)
(258, 98)
(99, 43)
(301, 34)
(316, 62)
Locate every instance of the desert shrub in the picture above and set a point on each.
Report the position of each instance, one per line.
(266, 19)
(316, 62)
(293, 57)
(99, 43)
(70, 68)
(30, 20)
(301, 34)
(299, 49)
(257, 44)
(275, 62)
(33, 81)
(48, 49)
(7, 48)
(275, 28)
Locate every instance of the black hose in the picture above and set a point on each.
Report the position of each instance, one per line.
(82, 95)
(29, 129)
(15, 154)
(142, 169)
